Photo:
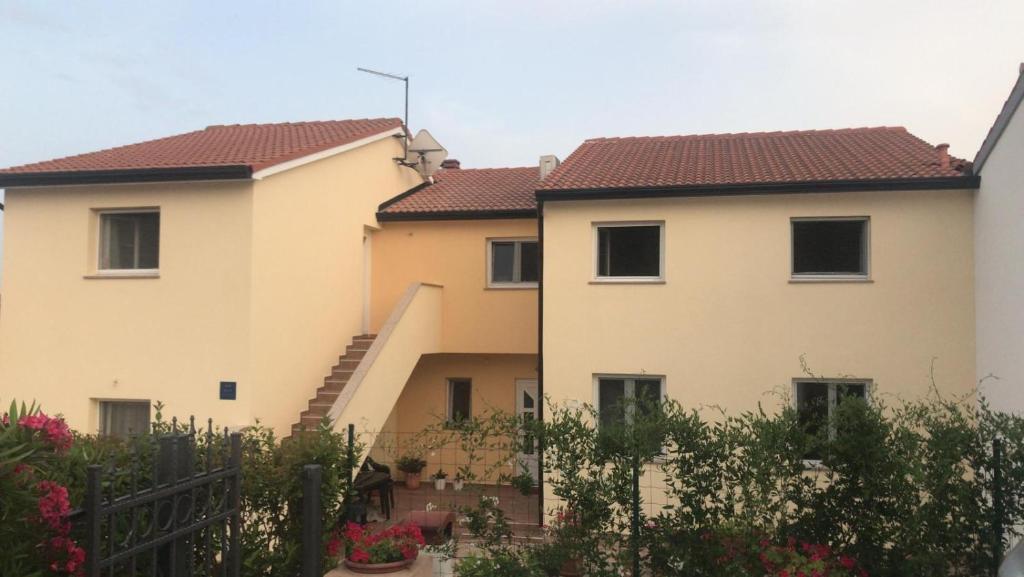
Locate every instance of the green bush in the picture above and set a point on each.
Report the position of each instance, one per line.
(899, 490)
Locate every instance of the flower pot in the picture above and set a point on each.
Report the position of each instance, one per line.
(376, 568)
(439, 484)
(458, 484)
(412, 480)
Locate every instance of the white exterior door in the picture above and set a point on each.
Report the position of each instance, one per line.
(528, 407)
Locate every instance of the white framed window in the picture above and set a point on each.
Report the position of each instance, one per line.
(124, 418)
(621, 399)
(816, 401)
(129, 241)
(834, 248)
(512, 262)
(460, 400)
(629, 251)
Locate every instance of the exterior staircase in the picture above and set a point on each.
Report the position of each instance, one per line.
(334, 384)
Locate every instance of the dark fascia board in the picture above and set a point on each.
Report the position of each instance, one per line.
(141, 175)
(400, 196)
(457, 215)
(952, 182)
(1002, 121)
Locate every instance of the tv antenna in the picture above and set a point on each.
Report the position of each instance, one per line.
(424, 153)
(405, 121)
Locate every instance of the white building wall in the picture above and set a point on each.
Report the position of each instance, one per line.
(999, 271)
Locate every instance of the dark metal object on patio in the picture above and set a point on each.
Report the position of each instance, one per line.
(375, 478)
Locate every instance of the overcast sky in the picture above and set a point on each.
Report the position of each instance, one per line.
(501, 82)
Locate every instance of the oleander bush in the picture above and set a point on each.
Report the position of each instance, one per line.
(35, 535)
(43, 475)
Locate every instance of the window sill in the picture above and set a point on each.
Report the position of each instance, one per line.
(627, 280)
(512, 286)
(830, 279)
(123, 274)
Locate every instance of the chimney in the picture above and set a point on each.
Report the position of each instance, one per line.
(943, 155)
(548, 162)
(451, 164)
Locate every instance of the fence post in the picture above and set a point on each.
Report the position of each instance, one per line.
(93, 521)
(174, 463)
(351, 511)
(634, 522)
(997, 504)
(235, 503)
(312, 522)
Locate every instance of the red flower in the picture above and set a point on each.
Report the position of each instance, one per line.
(55, 430)
(54, 506)
(847, 562)
(359, 556)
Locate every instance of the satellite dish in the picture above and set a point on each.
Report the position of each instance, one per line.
(425, 154)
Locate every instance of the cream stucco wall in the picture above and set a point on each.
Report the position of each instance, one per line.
(999, 270)
(261, 282)
(423, 404)
(308, 280)
(454, 254)
(727, 326)
(66, 340)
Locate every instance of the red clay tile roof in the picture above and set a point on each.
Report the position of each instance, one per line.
(256, 146)
(750, 158)
(470, 190)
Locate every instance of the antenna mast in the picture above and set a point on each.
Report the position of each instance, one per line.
(405, 121)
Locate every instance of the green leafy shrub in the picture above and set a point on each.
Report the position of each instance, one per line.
(899, 490)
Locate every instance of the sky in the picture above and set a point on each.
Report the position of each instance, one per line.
(500, 83)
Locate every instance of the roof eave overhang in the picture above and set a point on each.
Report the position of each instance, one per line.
(135, 175)
(1001, 122)
(826, 186)
(458, 215)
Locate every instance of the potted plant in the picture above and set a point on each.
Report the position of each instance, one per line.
(440, 479)
(385, 551)
(412, 466)
(458, 482)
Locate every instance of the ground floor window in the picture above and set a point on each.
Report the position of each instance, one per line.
(816, 402)
(460, 397)
(124, 418)
(623, 399)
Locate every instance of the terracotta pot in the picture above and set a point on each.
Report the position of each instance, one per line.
(412, 480)
(375, 568)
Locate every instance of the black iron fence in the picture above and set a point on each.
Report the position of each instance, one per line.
(173, 511)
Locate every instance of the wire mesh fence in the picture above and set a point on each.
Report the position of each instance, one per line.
(442, 470)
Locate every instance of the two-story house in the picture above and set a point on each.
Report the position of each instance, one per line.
(716, 269)
(289, 272)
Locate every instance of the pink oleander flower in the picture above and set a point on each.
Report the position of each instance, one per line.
(54, 506)
(54, 429)
(68, 557)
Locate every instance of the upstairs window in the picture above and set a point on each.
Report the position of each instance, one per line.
(513, 263)
(830, 248)
(129, 241)
(124, 418)
(460, 396)
(629, 251)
